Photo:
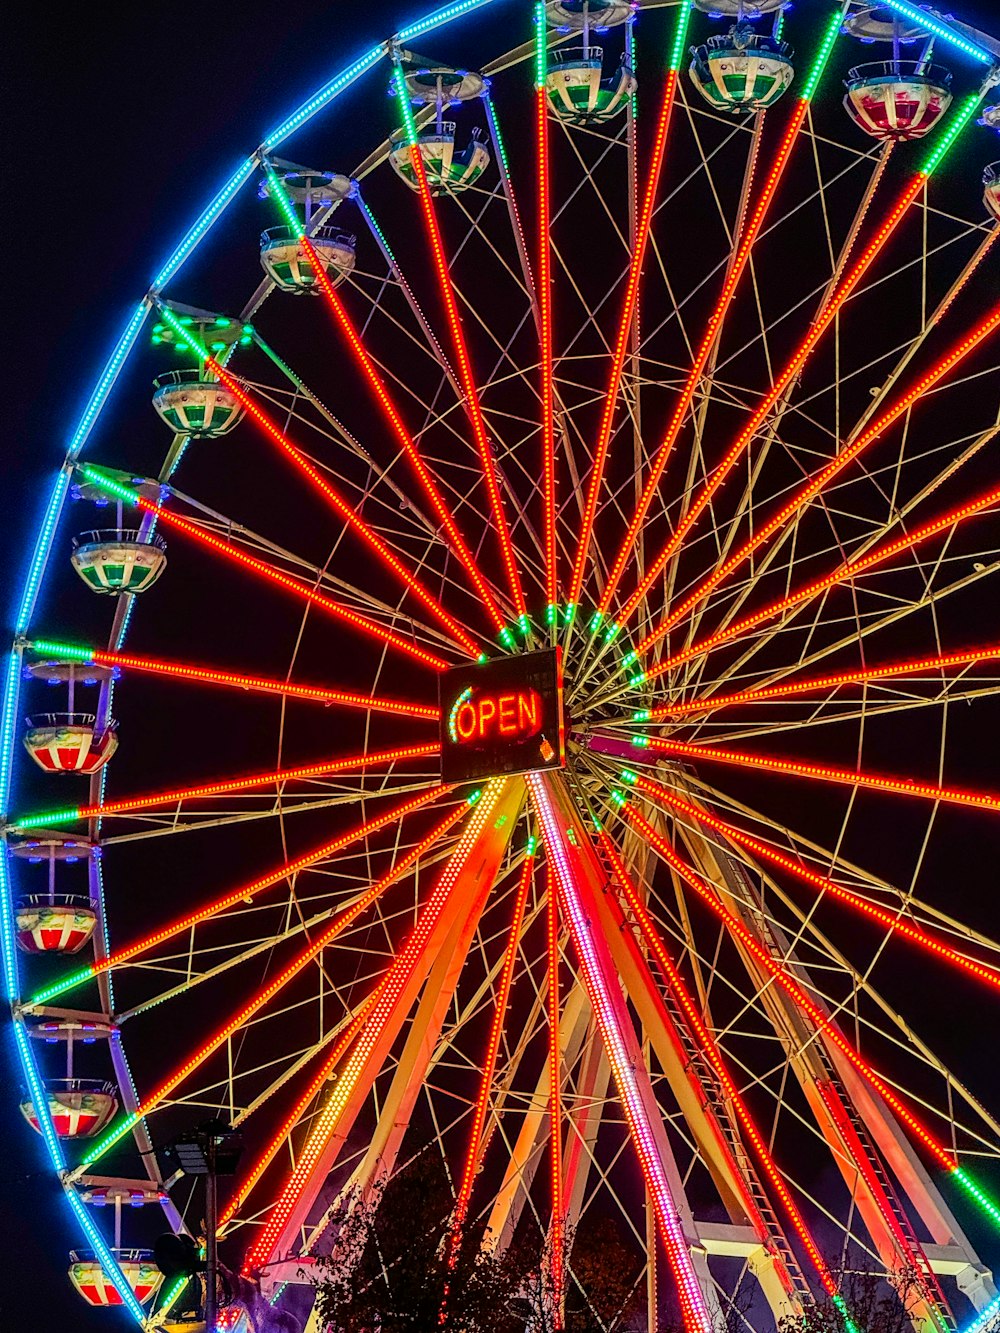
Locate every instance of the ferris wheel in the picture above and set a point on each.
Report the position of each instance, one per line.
(559, 551)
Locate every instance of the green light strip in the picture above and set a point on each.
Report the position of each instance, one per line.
(988, 1205)
(101, 479)
(46, 819)
(67, 983)
(680, 36)
(958, 122)
(283, 202)
(823, 55)
(541, 61)
(198, 348)
(75, 652)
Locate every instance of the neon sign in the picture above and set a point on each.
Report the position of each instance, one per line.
(502, 717)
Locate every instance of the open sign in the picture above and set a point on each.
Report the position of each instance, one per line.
(502, 717)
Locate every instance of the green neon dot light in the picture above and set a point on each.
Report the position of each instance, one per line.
(959, 120)
(988, 1205)
(551, 613)
(531, 846)
(540, 57)
(474, 796)
(822, 56)
(67, 983)
(640, 742)
(628, 775)
(680, 36)
(617, 796)
(643, 715)
(46, 818)
(101, 479)
(75, 652)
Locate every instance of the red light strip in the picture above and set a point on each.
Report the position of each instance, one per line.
(823, 773)
(212, 676)
(899, 925)
(393, 987)
(345, 510)
(424, 476)
(473, 405)
(545, 339)
(844, 572)
(937, 1150)
(557, 1226)
(490, 1060)
(701, 359)
(967, 656)
(322, 768)
(250, 890)
(711, 1049)
(247, 561)
(836, 465)
(622, 336)
(816, 330)
(346, 1037)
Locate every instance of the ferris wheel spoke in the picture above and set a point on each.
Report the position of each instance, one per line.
(475, 1143)
(403, 980)
(469, 387)
(942, 1155)
(793, 367)
(736, 268)
(236, 555)
(344, 509)
(710, 1048)
(809, 592)
(376, 384)
(256, 886)
(893, 921)
(624, 326)
(543, 306)
(853, 448)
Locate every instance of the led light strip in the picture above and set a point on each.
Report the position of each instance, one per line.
(131, 804)
(737, 268)
(710, 1048)
(544, 287)
(245, 560)
(941, 1154)
(368, 369)
(849, 570)
(211, 676)
(396, 979)
(802, 353)
(473, 405)
(899, 925)
(239, 895)
(631, 299)
(612, 1019)
(929, 23)
(825, 475)
(824, 773)
(964, 657)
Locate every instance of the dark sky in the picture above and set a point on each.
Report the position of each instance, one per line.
(120, 122)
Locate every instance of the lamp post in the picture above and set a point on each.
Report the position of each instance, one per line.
(211, 1150)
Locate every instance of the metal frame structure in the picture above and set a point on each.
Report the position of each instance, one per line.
(674, 477)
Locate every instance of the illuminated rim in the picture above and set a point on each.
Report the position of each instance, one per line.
(44, 542)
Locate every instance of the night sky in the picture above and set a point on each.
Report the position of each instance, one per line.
(121, 121)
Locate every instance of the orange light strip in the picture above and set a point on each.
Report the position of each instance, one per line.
(899, 925)
(850, 569)
(737, 928)
(710, 1047)
(557, 1226)
(701, 359)
(246, 892)
(824, 773)
(274, 576)
(964, 657)
(188, 671)
(409, 446)
(490, 1060)
(324, 1073)
(545, 339)
(394, 986)
(467, 378)
(767, 404)
(345, 510)
(825, 475)
(622, 336)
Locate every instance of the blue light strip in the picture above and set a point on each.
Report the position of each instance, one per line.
(978, 1324)
(209, 216)
(8, 714)
(444, 15)
(332, 89)
(940, 29)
